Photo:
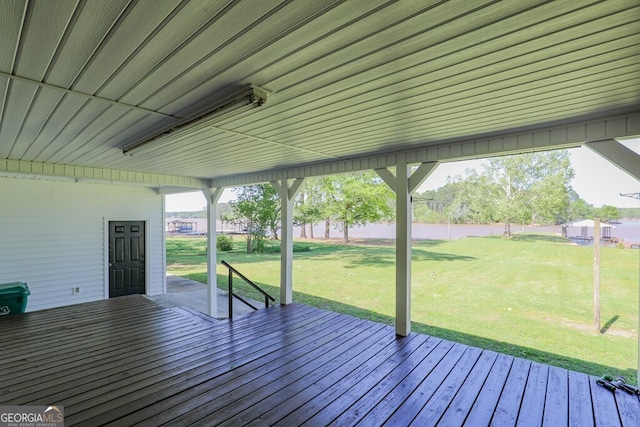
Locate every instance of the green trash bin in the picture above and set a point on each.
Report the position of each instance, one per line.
(13, 298)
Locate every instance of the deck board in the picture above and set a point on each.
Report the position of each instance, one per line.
(332, 401)
(430, 414)
(556, 407)
(580, 410)
(362, 402)
(488, 396)
(128, 361)
(508, 407)
(461, 405)
(533, 401)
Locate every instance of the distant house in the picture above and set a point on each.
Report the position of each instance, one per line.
(179, 226)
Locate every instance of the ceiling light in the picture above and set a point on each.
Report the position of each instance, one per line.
(246, 99)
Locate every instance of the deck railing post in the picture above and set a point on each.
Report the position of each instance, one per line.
(232, 270)
(230, 294)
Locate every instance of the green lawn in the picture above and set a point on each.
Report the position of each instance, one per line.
(531, 296)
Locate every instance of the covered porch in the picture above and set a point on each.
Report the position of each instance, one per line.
(129, 361)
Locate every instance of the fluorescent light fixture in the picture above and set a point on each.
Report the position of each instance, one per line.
(246, 99)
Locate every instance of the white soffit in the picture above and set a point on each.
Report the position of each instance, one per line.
(350, 80)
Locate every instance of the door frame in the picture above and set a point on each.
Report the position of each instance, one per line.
(147, 248)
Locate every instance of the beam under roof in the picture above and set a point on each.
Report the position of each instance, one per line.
(165, 183)
(561, 136)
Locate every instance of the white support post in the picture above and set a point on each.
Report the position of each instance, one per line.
(403, 250)
(212, 196)
(404, 183)
(287, 192)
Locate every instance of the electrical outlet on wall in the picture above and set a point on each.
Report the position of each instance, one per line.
(75, 291)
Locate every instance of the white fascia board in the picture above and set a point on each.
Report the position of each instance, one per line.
(48, 171)
(562, 136)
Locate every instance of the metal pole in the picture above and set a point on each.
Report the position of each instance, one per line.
(230, 294)
(637, 196)
(596, 273)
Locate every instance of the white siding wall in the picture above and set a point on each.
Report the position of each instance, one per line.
(53, 237)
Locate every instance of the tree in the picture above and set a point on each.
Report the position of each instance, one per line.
(578, 208)
(434, 206)
(608, 213)
(527, 187)
(258, 210)
(309, 205)
(357, 199)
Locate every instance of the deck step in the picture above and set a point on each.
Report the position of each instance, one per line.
(196, 315)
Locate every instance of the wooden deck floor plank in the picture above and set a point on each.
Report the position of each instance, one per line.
(137, 362)
(403, 390)
(444, 393)
(79, 335)
(97, 346)
(556, 403)
(360, 403)
(579, 400)
(51, 317)
(533, 400)
(603, 402)
(64, 339)
(345, 368)
(628, 408)
(467, 394)
(487, 400)
(142, 355)
(49, 321)
(410, 407)
(177, 367)
(175, 378)
(89, 373)
(172, 392)
(506, 411)
(333, 401)
(74, 332)
(154, 405)
(356, 374)
(303, 370)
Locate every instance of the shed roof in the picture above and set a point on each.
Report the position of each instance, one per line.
(588, 223)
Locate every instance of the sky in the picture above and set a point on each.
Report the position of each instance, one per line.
(596, 181)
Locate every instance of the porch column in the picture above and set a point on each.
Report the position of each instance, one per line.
(212, 195)
(403, 250)
(404, 183)
(287, 191)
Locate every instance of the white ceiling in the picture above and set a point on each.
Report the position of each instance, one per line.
(80, 80)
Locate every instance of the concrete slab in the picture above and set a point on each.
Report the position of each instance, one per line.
(185, 292)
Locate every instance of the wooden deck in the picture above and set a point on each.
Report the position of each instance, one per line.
(128, 361)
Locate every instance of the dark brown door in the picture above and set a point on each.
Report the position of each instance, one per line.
(126, 258)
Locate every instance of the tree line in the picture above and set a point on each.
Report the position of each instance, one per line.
(533, 188)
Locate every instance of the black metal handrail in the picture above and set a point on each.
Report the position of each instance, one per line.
(232, 270)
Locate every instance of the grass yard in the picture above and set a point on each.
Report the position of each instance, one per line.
(531, 296)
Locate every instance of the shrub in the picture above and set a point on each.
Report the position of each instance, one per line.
(224, 243)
